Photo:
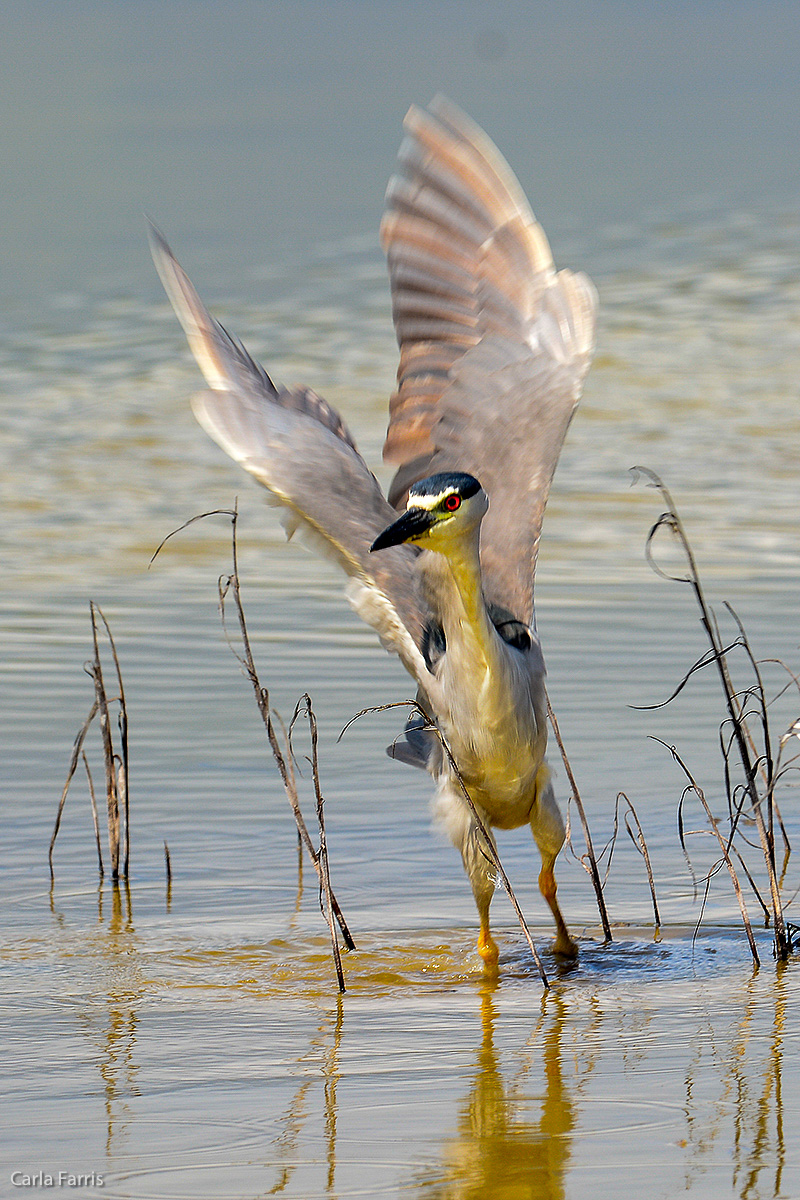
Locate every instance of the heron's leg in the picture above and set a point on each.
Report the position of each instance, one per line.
(487, 946)
(563, 944)
(464, 832)
(481, 874)
(547, 826)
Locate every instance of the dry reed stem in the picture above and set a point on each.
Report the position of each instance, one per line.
(592, 868)
(168, 869)
(230, 583)
(640, 843)
(112, 794)
(753, 887)
(326, 892)
(95, 820)
(764, 826)
(262, 700)
(122, 759)
(73, 766)
(116, 765)
(695, 788)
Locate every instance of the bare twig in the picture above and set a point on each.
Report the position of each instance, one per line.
(695, 788)
(231, 583)
(640, 843)
(286, 772)
(672, 521)
(116, 765)
(593, 869)
(95, 820)
(122, 765)
(326, 891)
(73, 766)
(112, 791)
(214, 512)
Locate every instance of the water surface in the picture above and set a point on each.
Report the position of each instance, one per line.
(189, 1041)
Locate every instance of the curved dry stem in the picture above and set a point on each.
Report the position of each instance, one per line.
(694, 787)
(214, 512)
(326, 891)
(740, 732)
(593, 870)
(284, 764)
(640, 843)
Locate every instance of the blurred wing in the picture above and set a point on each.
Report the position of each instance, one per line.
(494, 344)
(297, 446)
(452, 192)
(503, 419)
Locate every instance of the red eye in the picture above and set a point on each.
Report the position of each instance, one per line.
(452, 502)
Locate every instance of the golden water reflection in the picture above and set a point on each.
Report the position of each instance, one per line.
(689, 1070)
(496, 1152)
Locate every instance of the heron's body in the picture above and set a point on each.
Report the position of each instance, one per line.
(496, 726)
(494, 345)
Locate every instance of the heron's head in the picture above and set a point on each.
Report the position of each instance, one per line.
(440, 509)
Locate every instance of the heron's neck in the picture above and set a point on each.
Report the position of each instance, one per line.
(469, 617)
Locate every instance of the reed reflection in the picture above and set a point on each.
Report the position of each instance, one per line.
(110, 1014)
(747, 1111)
(287, 1147)
(497, 1149)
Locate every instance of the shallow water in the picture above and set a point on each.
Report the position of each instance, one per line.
(186, 1039)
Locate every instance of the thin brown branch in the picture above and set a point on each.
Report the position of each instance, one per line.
(640, 843)
(326, 891)
(695, 788)
(230, 583)
(593, 869)
(112, 794)
(262, 701)
(215, 512)
(73, 766)
(672, 520)
(95, 820)
(123, 771)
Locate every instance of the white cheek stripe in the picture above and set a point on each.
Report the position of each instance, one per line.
(429, 502)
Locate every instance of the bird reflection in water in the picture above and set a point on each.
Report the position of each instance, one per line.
(721, 1053)
(497, 1151)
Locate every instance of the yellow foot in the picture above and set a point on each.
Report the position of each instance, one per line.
(564, 947)
(487, 948)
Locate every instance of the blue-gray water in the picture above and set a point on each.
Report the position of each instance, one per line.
(190, 1043)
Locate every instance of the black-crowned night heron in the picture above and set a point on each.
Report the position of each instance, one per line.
(494, 347)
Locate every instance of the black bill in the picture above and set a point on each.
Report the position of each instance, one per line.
(413, 524)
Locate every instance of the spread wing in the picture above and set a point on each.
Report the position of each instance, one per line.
(297, 446)
(494, 344)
